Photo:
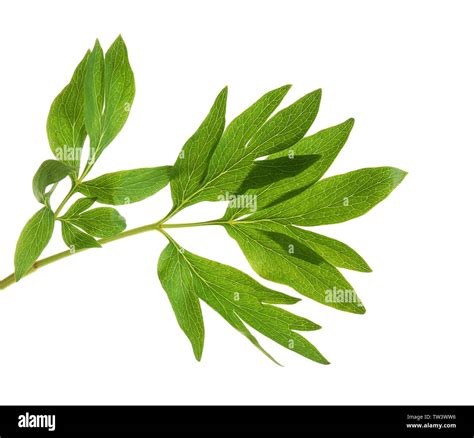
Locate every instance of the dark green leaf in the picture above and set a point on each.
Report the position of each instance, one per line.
(65, 125)
(336, 199)
(126, 186)
(50, 172)
(33, 239)
(266, 172)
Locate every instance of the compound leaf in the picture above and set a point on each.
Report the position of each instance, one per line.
(281, 258)
(326, 144)
(240, 300)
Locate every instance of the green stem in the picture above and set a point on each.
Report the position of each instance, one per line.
(194, 224)
(8, 281)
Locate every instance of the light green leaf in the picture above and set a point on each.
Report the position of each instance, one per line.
(119, 85)
(336, 199)
(333, 251)
(126, 186)
(99, 222)
(232, 160)
(94, 97)
(78, 207)
(65, 124)
(76, 239)
(109, 94)
(190, 168)
(326, 144)
(286, 127)
(33, 239)
(177, 280)
(50, 172)
(278, 257)
(239, 299)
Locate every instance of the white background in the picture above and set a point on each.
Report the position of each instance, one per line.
(97, 328)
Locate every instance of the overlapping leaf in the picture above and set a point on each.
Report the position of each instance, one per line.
(238, 298)
(277, 256)
(65, 125)
(248, 137)
(326, 144)
(109, 93)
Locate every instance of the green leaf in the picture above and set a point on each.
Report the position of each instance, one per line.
(99, 222)
(76, 239)
(287, 127)
(109, 94)
(241, 300)
(177, 280)
(333, 251)
(191, 165)
(94, 97)
(33, 239)
(65, 124)
(78, 207)
(326, 144)
(281, 258)
(119, 84)
(50, 172)
(336, 199)
(126, 186)
(232, 160)
(266, 172)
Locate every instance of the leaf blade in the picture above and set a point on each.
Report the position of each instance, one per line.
(278, 257)
(101, 222)
(126, 186)
(65, 124)
(191, 165)
(231, 293)
(49, 172)
(33, 239)
(336, 199)
(177, 283)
